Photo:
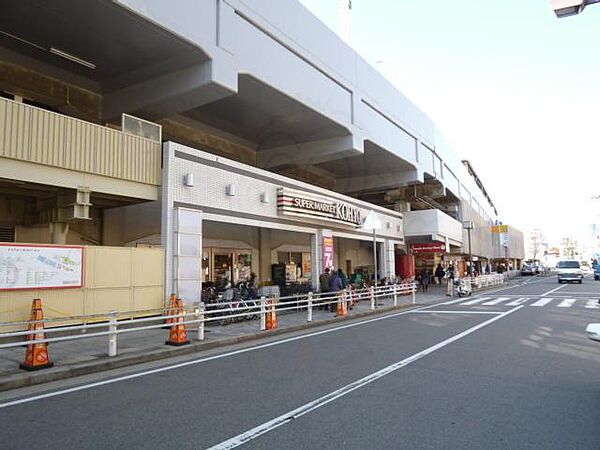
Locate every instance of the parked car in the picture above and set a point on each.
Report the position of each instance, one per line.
(569, 270)
(526, 271)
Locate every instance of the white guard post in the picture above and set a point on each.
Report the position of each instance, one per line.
(112, 337)
(263, 313)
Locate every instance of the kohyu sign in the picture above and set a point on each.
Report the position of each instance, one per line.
(298, 203)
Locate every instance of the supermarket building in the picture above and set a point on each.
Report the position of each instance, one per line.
(216, 139)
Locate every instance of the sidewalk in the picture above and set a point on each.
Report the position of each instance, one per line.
(84, 356)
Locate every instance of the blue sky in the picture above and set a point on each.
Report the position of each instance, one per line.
(514, 89)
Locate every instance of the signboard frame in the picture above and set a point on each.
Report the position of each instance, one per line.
(328, 249)
(428, 247)
(46, 246)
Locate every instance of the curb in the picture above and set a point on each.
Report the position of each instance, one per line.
(19, 380)
(74, 370)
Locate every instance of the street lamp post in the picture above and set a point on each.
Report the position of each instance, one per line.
(468, 225)
(373, 223)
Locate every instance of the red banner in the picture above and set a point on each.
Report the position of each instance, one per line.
(327, 249)
(428, 247)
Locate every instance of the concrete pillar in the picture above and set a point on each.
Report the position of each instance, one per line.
(389, 260)
(316, 255)
(59, 232)
(265, 247)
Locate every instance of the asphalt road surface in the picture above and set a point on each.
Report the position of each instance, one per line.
(507, 369)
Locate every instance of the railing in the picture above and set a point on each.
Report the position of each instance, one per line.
(35, 135)
(485, 281)
(199, 315)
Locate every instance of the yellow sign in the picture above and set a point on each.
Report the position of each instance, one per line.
(500, 229)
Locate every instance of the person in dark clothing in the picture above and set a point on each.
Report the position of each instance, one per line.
(335, 285)
(343, 277)
(324, 281)
(439, 273)
(425, 278)
(450, 278)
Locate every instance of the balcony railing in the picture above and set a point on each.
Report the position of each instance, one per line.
(35, 135)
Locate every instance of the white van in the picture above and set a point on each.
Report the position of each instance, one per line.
(569, 270)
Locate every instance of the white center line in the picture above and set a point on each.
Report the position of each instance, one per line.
(566, 303)
(553, 290)
(475, 301)
(542, 302)
(287, 417)
(518, 301)
(498, 300)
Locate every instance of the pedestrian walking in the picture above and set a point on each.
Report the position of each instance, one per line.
(450, 278)
(425, 278)
(324, 281)
(439, 273)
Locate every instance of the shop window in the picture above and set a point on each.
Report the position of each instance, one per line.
(7, 234)
(243, 267)
(205, 266)
(283, 257)
(298, 265)
(222, 268)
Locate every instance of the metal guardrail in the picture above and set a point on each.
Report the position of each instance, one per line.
(201, 314)
(485, 281)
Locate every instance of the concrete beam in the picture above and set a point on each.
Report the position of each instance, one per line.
(169, 94)
(314, 152)
(380, 181)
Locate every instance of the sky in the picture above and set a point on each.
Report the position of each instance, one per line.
(513, 89)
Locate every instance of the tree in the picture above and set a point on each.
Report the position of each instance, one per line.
(536, 244)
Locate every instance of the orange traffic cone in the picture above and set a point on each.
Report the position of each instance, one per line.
(178, 335)
(171, 311)
(36, 356)
(342, 308)
(271, 316)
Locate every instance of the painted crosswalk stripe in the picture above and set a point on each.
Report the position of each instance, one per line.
(518, 301)
(566, 303)
(477, 300)
(498, 300)
(542, 302)
(592, 304)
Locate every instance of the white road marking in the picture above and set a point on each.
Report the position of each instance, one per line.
(206, 359)
(518, 301)
(542, 302)
(498, 300)
(475, 301)
(580, 293)
(566, 303)
(592, 304)
(271, 425)
(553, 290)
(451, 302)
(456, 312)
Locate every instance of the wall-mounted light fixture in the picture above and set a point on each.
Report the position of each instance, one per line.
(230, 190)
(188, 180)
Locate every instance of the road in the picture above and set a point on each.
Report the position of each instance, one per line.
(507, 369)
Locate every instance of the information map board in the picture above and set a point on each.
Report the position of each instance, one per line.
(40, 267)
